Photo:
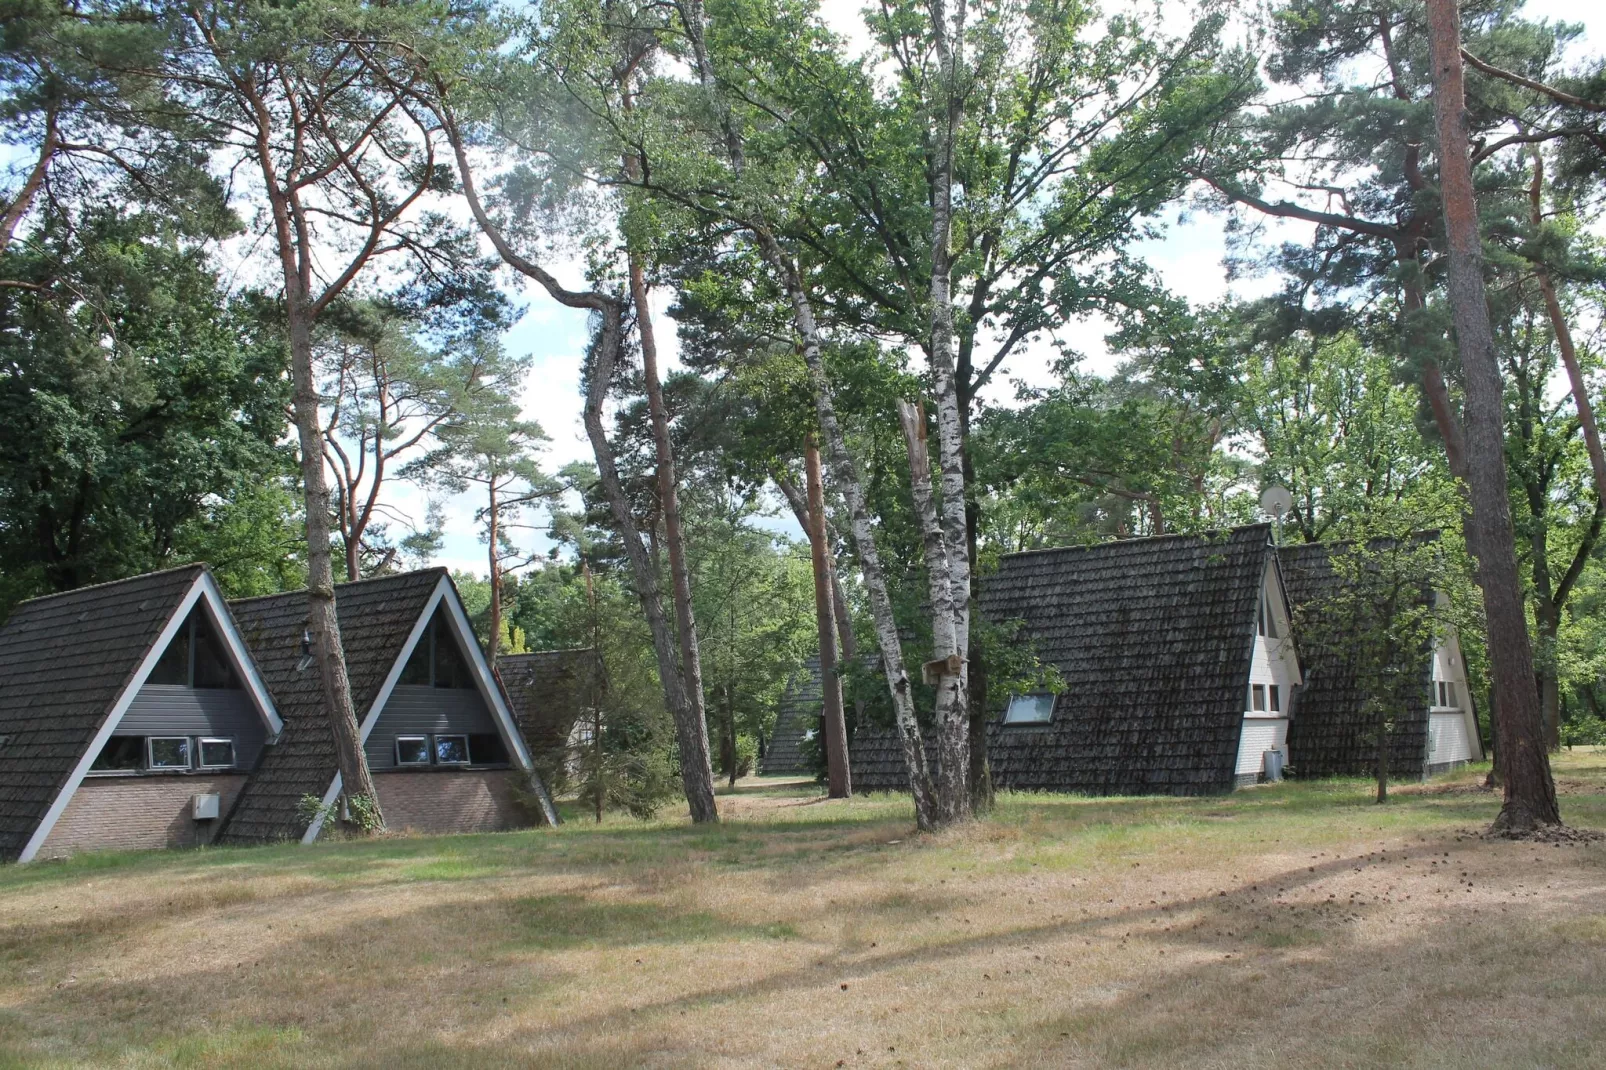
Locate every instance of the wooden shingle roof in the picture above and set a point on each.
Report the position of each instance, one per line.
(64, 661)
(376, 617)
(1153, 638)
(799, 714)
(1331, 734)
(547, 689)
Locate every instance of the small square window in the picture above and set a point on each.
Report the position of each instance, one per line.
(412, 750)
(121, 754)
(1030, 709)
(1276, 694)
(451, 750)
(217, 753)
(487, 749)
(169, 752)
(1257, 699)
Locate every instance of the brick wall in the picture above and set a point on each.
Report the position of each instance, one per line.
(455, 801)
(137, 813)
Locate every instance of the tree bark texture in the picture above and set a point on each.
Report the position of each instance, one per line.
(795, 497)
(838, 775)
(691, 662)
(323, 620)
(1530, 796)
(691, 735)
(951, 636)
(494, 564)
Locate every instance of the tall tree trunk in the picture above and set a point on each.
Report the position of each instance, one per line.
(981, 770)
(1382, 770)
(734, 757)
(838, 777)
(13, 213)
(845, 472)
(951, 637)
(356, 784)
(691, 661)
(1530, 799)
(323, 622)
(495, 564)
(846, 642)
(944, 671)
(691, 734)
(1547, 622)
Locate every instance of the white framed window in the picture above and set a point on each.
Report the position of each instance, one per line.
(167, 752)
(1037, 708)
(412, 750)
(451, 750)
(1445, 696)
(1274, 694)
(1257, 697)
(215, 753)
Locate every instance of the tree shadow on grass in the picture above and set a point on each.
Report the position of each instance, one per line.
(452, 966)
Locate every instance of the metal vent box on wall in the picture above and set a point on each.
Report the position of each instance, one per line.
(205, 806)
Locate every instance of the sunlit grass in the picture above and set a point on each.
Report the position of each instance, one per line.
(1293, 923)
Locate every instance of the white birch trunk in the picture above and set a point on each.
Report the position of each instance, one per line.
(846, 474)
(953, 700)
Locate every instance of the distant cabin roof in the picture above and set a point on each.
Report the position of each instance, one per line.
(376, 617)
(1153, 638)
(1331, 734)
(64, 661)
(547, 689)
(799, 714)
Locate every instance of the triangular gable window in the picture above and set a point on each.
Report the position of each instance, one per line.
(437, 661)
(196, 657)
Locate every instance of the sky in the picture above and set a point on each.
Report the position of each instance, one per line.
(1188, 257)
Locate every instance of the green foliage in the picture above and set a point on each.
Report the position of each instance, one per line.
(1334, 426)
(360, 812)
(144, 412)
(1586, 731)
(1381, 618)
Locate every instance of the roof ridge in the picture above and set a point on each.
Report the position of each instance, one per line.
(201, 565)
(1207, 533)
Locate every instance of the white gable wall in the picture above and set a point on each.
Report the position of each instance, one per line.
(445, 595)
(1452, 729)
(1273, 663)
(204, 592)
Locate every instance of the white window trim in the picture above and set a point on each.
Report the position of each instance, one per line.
(204, 589)
(484, 682)
(150, 754)
(1031, 720)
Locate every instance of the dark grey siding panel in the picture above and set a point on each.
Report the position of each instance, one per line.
(416, 711)
(159, 710)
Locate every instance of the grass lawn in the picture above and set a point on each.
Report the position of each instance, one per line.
(1290, 925)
